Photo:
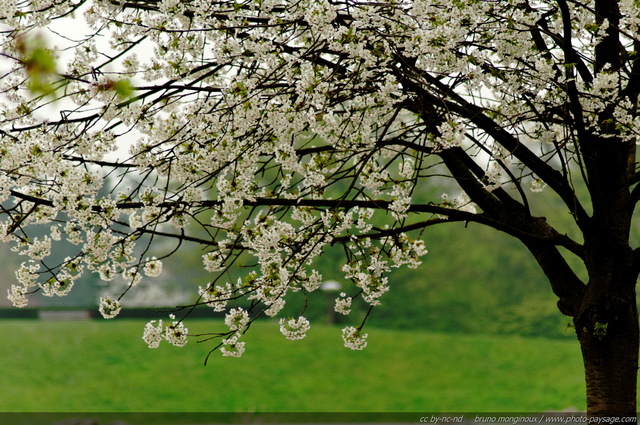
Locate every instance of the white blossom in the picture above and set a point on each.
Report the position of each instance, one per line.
(17, 296)
(176, 334)
(274, 307)
(59, 286)
(153, 267)
(313, 282)
(237, 319)
(294, 329)
(153, 334)
(27, 274)
(213, 261)
(132, 276)
(38, 249)
(216, 296)
(55, 233)
(537, 185)
(107, 272)
(109, 308)
(231, 347)
(343, 304)
(353, 338)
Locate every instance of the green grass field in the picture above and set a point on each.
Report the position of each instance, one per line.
(104, 366)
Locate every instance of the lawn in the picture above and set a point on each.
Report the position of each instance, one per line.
(104, 366)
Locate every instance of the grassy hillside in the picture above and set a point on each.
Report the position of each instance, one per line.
(102, 366)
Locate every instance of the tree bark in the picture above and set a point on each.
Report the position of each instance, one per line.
(604, 311)
(609, 344)
(607, 327)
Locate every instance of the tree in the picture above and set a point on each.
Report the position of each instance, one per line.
(267, 130)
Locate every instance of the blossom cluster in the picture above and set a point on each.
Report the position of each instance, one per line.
(109, 308)
(175, 333)
(354, 338)
(232, 347)
(294, 329)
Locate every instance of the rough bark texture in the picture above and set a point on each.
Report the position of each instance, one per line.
(609, 343)
(607, 319)
(605, 316)
(604, 310)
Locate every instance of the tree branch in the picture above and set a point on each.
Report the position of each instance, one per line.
(550, 176)
(531, 228)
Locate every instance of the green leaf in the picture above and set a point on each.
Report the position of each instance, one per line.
(123, 88)
(39, 62)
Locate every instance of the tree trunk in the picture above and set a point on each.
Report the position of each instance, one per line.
(609, 338)
(605, 316)
(607, 319)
